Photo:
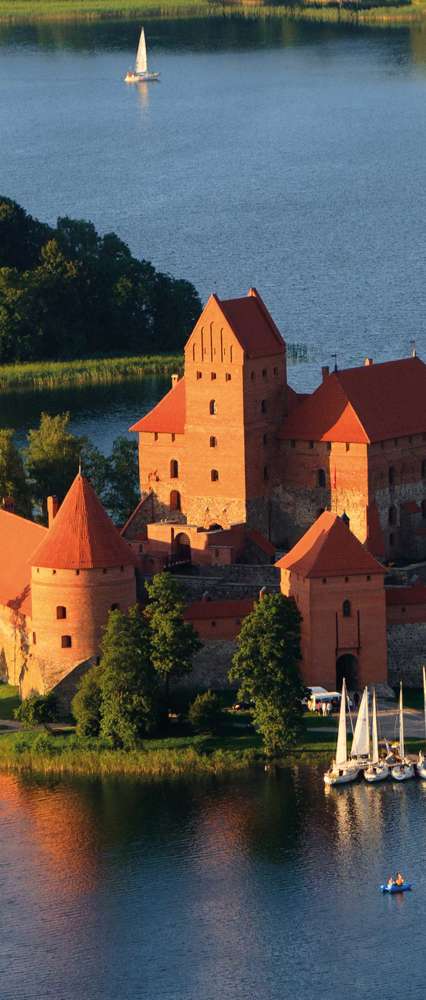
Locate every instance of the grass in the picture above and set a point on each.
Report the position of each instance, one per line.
(364, 12)
(48, 374)
(9, 700)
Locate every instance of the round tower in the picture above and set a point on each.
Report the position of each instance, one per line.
(82, 569)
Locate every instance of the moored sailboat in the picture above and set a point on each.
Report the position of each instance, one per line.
(141, 72)
(377, 770)
(360, 749)
(421, 760)
(342, 769)
(404, 769)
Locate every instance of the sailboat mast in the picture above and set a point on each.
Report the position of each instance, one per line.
(375, 751)
(341, 749)
(401, 725)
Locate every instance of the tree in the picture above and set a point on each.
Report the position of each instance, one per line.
(128, 680)
(21, 236)
(86, 704)
(36, 709)
(266, 667)
(122, 475)
(174, 642)
(13, 482)
(205, 712)
(52, 456)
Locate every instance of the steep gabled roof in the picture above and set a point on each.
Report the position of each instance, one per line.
(252, 324)
(168, 416)
(18, 539)
(363, 405)
(329, 549)
(82, 535)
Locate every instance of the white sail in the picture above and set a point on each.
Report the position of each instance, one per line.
(141, 60)
(361, 740)
(375, 749)
(341, 750)
(424, 694)
(401, 726)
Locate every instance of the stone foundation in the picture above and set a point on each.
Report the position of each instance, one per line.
(406, 654)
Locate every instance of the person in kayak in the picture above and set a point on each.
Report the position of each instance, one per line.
(390, 882)
(399, 879)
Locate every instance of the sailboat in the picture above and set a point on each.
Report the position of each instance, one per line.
(342, 770)
(377, 770)
(360, 749)
(140, 72)
(405, 769)
(421, 761)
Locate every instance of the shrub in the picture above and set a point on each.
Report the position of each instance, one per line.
(36, 709)
(86, 704)
(205, 713)
(44, 744)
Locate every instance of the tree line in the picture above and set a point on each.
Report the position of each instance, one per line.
(68, 292)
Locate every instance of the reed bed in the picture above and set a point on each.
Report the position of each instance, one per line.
(95, 371)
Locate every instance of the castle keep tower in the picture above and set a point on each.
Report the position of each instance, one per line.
(81, 570)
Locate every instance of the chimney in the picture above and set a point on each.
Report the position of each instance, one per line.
(175, 378)
(325, 371)
(52, 509)
(9, 505)
(368, 361)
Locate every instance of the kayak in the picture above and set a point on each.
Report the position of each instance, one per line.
(396, 888)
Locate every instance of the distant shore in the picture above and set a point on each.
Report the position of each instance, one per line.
(352, 13)
(86, 371)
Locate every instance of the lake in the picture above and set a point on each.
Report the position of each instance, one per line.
(250, 888)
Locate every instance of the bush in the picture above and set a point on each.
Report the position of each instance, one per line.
(86, 704)
(44, 744)
(36, 709)
(205, 713)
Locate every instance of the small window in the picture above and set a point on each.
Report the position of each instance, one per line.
(213, 442)
(403, 609)
(61, 612)
(252, 376)
(346, 579)
(263, 406)
(347, 446)
(175, 500)
(34, 639)
(265, 472)
(115, 607)
(212, 376)
(227, 377)
(77, 572)
(121, 569)
(265, 439)
(199, 375)
(174, 469)
(213, 624)
(346, 609)
(155, 436)
(395, 441)
(410, 439)
(292, 444)
(392, 515)
(391, 476)
(104, 571)
(275, 371)
(321, 478)
(212, 407)
(368, 578)
(264, 373)
(66, 642)
(214, 475)
(311, 444)
(53, 572)
(173, 436)
(324, 579)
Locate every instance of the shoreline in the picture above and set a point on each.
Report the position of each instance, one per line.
(90, 371)
(30, 12)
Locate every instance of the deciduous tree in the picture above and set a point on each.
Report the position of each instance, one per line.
(13, 482)
(174, 642)
(128, 681)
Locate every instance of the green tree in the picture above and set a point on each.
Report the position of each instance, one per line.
(21, 236)
(205, 712)
(266, 667)
(53, 456)
(13, 481)
(36, 709)
(87, 702)
(128, 680)
(122, 479)
(174, 642)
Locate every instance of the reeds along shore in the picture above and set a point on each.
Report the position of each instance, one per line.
(363, 12)
(51, 374)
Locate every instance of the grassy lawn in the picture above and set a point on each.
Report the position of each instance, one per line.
(47, 374)
(9, 700)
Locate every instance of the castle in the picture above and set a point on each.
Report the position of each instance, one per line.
(237, 468)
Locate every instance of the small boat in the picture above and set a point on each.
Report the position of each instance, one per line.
(421, 760)
(404, 769)
(377, 769)
(396, 888)
(140, 73)
(342, 770)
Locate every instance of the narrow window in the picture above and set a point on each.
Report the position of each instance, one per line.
(252, 376)
(213, 624)
(214, 475)
(346, 609)
(264, 373)
(392, 515)
(212, 407)
(155, 436)
(173, 437)
(199, 375)
(275, 371)
(395, 441)
(321, 477)
(263, 406)
(324, 579)
(265, 439)
(347, 446)
(227, 377)
(175, 500)
(368, 578)
(213, 442)
(66, 641)
(34, 639)
(311, 444)
(265, 472)
(391, 476)
(292, 444)
(212, 376)
(61, 612)
(174, 469)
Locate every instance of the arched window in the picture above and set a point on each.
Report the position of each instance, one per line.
(391, 475)
(392, 515)
(321, 477)
(213, 442)
(61, 612)
(346, 609)
(66, 641)
(212, 407)
(174, 469)
(263, 406)
(175, 500)
(424, 469)
(214, 475)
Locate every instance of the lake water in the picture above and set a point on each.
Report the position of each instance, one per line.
(250, 888)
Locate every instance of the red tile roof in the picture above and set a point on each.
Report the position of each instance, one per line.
(252, 325)
(362, 405)
(204, 610)
(168, 416)
(82, 535)
(329, 549)
(18, 539)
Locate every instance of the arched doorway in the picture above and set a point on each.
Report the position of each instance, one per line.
(347, 667)
(182, 548)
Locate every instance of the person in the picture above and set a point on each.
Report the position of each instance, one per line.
(399, 879)
(389, 882)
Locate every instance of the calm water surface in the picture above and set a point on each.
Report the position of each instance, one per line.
(255, 887)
